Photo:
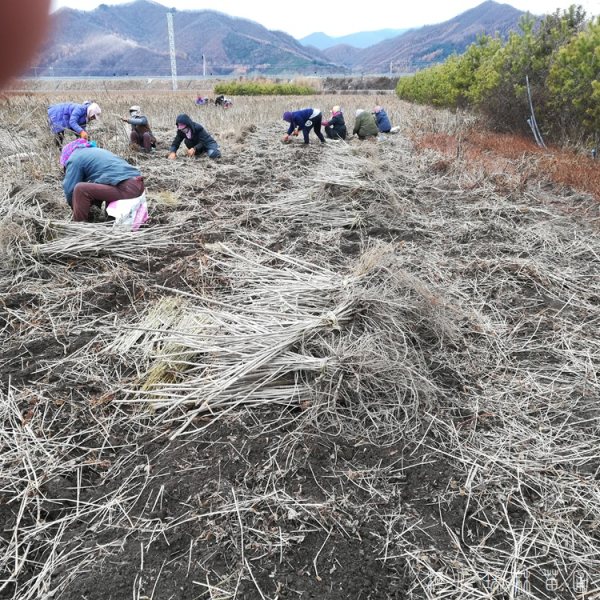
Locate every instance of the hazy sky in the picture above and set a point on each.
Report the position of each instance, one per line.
(301, 17)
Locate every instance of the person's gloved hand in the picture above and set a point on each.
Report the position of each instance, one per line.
(191, 151)
(83, 134)
(172, 156)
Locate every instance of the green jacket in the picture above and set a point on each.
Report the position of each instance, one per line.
(365, 125)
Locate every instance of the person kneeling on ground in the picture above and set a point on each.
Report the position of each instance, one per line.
(304, 120)
(335, 128)
(195, 137)
(141, 135)
(383, 121)
(365, 125)
(94, 175)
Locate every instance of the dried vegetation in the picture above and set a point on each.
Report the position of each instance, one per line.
(352, 371)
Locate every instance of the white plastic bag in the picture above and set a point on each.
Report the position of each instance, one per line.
(129, 214)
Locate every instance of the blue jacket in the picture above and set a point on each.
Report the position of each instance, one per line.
(95, 165)
(383, 121)
(68, 115)
(299, 120)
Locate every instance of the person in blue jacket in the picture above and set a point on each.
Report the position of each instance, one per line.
(71, 116)
(94, 175)
(383, 121)
(196, 139)
(304, 120)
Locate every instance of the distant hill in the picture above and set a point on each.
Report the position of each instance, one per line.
(132, 39)
(363, 39)
(419, 48)
(342, 54)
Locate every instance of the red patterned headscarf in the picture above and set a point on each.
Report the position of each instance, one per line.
(65, 155)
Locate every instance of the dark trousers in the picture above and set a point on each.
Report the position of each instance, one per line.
(86, 194)
(59, 138)
(212, 150)
(332, 134)
(147, 141)
(316, 125)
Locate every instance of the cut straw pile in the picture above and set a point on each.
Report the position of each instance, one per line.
(288, 332)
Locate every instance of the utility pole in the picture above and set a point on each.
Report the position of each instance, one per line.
(172, 49)
(204, 66)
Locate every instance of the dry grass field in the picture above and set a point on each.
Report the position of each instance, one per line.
(357, 371)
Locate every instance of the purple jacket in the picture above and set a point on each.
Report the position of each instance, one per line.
(68, 115)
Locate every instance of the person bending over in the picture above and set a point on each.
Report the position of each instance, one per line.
(71, 116)
(365, 126)
(304, 120)
(94, 175)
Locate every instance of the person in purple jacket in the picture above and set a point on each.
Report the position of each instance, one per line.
(73, 117)
(304, 120)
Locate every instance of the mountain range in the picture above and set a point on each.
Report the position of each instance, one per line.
(362, 39)
(132, 40)
(419, 48)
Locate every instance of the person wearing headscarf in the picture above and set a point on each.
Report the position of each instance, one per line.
(94, 175)
(196, 139)
(335, 128)
(365, 125)
(304, 120)
(383, 121)
(73, 117)
(141, 134)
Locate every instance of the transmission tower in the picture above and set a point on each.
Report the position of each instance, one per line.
(172, 49)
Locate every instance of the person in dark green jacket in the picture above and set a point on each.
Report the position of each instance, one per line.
(365, 125)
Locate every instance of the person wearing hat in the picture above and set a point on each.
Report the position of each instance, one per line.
(141, 135)
(304, 120)
(383, 121)
(94, 175)
(335, 128)
(196, 139)
(73, 117)
(365, 126)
